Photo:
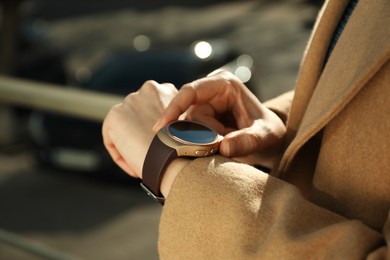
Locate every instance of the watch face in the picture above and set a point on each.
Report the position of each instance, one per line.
(192, 132)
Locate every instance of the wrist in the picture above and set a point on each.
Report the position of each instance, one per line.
(170, 174)
(180, 139)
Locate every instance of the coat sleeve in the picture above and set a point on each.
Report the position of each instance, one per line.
(220, 209)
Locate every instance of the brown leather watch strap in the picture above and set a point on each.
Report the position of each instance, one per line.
(157, 158)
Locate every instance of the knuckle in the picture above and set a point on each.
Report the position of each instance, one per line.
(169, 85)
(254, 140)
(149, 86)
(128, 98)
(223, 73)
(115, 108)
(150, 83)
(230, 79)
(168, 88)
(188, 91)
(227, 76)
(113, 112)
(187, 87)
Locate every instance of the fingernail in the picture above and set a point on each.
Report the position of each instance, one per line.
(156, 125)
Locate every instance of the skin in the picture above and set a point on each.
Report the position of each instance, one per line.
(220, 101)
(127, 129)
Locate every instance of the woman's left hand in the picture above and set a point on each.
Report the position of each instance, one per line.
(127, 128)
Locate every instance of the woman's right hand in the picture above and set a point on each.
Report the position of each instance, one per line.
(224, 103)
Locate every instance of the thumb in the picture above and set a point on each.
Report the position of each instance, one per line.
(241, 142)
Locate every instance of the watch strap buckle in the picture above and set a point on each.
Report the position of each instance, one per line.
(159, 199)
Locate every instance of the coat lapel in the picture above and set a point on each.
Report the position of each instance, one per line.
(362, 49)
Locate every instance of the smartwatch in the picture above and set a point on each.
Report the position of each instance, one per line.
(178, 139)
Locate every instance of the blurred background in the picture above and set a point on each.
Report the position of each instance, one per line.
(61, 197)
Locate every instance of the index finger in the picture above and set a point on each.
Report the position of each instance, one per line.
(197, 92)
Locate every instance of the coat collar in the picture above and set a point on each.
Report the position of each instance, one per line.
(321, 93)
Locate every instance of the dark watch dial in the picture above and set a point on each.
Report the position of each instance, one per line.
(192, 132)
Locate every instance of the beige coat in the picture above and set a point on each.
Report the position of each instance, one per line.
(337, 157)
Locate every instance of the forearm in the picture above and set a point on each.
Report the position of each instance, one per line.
(221, 209)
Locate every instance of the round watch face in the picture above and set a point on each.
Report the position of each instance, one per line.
(192, 132)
